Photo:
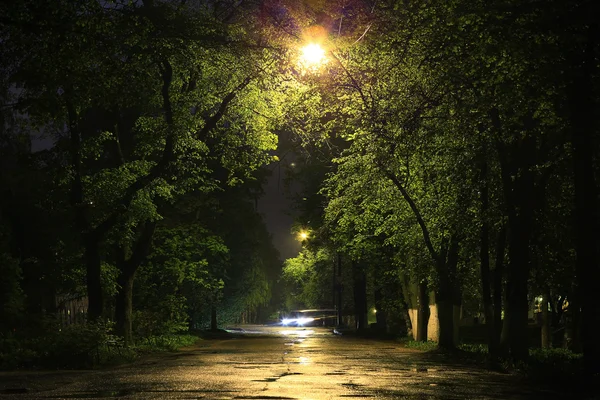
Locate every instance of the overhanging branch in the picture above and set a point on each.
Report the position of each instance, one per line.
(415, 210)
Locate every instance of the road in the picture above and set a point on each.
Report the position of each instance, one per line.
(277, 363)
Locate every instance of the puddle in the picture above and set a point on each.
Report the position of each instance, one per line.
(266, 397)
(293, 342)
(128, 392)
(92, 395)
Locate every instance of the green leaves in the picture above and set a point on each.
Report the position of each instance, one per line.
(307, 278)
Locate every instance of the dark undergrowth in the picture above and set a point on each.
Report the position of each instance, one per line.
(558, 365)
(80, 346)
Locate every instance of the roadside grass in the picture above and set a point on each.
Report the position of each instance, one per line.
(82, 347)
(165, 342)
(423, 346)
(556, 364)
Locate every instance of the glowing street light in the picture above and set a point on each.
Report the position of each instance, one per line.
(303, 235)
(313, 54)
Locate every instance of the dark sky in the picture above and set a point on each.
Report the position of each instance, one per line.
(277, 211)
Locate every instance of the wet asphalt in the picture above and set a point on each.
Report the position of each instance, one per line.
(281, 363)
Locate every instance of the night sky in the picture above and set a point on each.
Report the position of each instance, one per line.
(276, 209)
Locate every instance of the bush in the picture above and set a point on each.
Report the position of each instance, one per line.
(561, 364)
(555, 363)
(166, 342)
(74, 346)
(45, 343)
(147, 324)
(15, 353)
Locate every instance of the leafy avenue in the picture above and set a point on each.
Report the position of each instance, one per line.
(447, 165)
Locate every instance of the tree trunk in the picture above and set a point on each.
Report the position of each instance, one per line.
(213, 318)
(409, 300)
(422, 311)
(587, 210)
(546, 334)
(484, 264)
(93, 274)
(517, 305)
(124, 306)
(486, 283)
(445, 310)
(339, 290)
(360, 295)
(333, 282)
(573, 327)
(497, 282)
(517, 161)
(127, 269)
(557, 317)
(380, 313)
(446, 295)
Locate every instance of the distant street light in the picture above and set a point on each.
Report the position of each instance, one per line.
(303, 235)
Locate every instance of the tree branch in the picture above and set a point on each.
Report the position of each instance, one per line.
(415, 210)
(212, 121)
(156, 170)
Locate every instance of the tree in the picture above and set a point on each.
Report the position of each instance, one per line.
(147, 119)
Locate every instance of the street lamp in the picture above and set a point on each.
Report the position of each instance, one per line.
(312, 56)
(303, 235)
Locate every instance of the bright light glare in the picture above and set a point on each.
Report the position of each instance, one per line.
(298, 321)
(301, 333)
(303, 235)
(304, 360)
(313, 55)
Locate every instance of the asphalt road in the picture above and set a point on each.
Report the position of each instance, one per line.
(278, 363)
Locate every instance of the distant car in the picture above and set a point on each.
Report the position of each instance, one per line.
(313, 317)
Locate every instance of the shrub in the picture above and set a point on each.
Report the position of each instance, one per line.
(166, 342)
(73, 346)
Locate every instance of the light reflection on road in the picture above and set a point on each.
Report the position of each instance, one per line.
(275, 362)
(303, 360)
(298, 332)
